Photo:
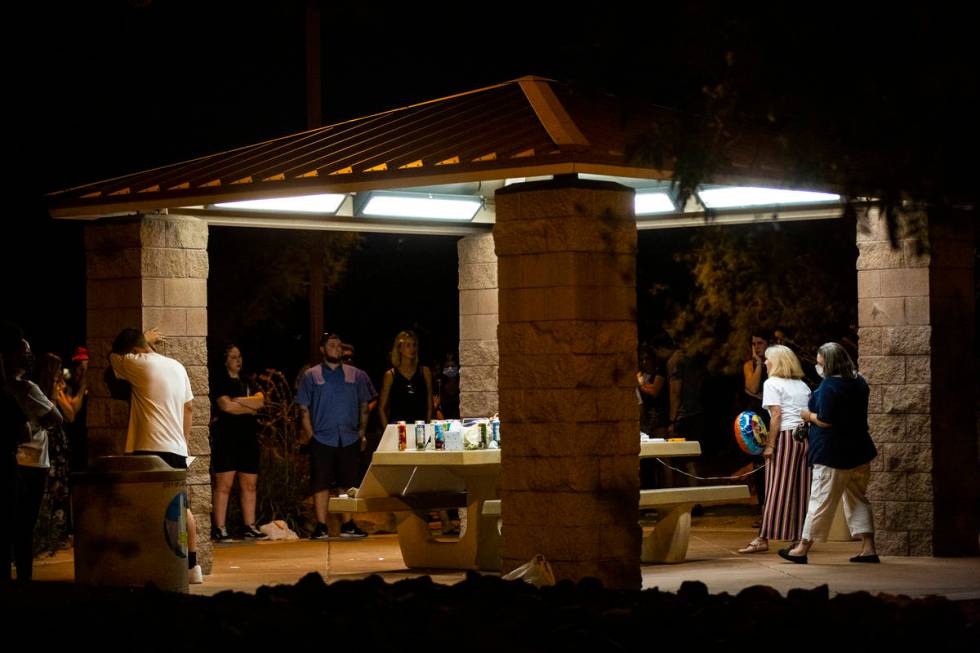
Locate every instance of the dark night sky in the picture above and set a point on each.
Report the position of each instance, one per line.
(128, 85)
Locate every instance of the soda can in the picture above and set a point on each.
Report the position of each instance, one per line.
(440, 437)
(420, 435)
(402, 436)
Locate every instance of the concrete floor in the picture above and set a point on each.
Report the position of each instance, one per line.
(245, 566)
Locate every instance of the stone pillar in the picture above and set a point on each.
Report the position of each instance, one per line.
(477, 326)
(570, 450)
(916, 316)
(143, 272)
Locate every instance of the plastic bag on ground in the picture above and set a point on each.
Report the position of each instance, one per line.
(278, 530)
(537, 572)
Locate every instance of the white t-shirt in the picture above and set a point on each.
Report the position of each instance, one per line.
(35, 406)
(790, 395)
(160, 390)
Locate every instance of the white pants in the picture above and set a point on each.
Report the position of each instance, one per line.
(826, 488)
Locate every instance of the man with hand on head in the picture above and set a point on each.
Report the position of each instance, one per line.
(160, 411)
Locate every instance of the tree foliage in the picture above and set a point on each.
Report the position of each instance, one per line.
(760, 277)
(878, 105)
(265, 272)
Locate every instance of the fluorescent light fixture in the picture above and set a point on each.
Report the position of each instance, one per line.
(417, 206)
(736, 196)
(650, 203)
(324, 203)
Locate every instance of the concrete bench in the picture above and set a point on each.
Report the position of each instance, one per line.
(427, 501)
(669, 539)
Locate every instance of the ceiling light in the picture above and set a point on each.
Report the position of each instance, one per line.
(737, 196)
(324, 203)
(650, 203)
(416, 206)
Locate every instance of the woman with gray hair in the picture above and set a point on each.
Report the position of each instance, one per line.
(841, 451)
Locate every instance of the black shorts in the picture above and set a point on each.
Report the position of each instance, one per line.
(332, 467)
(233, 452)
(174, 460)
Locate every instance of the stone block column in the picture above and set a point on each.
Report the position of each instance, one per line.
(916, 316)
(143, 272)
(570, 452)
(477, 326)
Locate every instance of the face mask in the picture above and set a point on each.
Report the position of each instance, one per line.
(819, 369)
(450, 371)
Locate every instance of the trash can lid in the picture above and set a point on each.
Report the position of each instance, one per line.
(129, 469)
(130, 464)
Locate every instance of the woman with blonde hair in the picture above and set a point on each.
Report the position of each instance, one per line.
(406, 392)
(784, 395)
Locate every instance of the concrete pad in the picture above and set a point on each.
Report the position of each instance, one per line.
(712, 559)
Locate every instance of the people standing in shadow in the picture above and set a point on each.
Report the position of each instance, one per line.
(71, 403)
(687, 373)
(50, 377)
(448, 387)
(653, 396)
(33, 461)
(755, 375)
(374, 429)
(14, 431)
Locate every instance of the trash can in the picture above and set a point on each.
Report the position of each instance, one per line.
(130, 518)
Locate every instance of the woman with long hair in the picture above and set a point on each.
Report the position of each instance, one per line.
(235, 445)
(784, 395)
(841, 451)
(406, 390)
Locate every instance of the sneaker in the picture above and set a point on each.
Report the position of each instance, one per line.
(252, 533)
(350, 529)
(320, 533)
(220, 535)
(195, 576)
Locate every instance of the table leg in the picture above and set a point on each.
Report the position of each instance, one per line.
(669, 539)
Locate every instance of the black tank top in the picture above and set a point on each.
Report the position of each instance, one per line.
(407, 397)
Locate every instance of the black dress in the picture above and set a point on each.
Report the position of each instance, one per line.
(407, 397)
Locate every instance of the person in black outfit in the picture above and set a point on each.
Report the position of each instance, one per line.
(407, 387)
(15, 431)
(235, 445)
(755, 374)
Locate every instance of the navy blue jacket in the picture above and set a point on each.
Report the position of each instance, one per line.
(846, 443)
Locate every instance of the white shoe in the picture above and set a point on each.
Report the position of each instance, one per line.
(195, 576)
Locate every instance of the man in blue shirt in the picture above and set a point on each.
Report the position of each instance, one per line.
(333, 400)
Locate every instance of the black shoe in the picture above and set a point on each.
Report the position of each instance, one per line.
(252, 533)
(786, 555)
(320, 533)
(220, 535)
(350, 529)
(873, 558)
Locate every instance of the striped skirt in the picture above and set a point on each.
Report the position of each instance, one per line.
(787, 490)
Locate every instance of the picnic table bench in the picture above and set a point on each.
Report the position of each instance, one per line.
(410, 483)
(668, 541)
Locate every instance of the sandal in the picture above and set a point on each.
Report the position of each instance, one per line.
(755, 546)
